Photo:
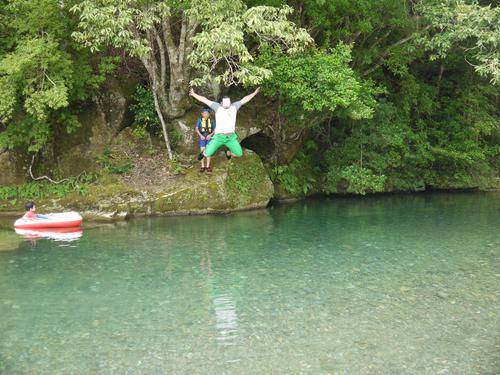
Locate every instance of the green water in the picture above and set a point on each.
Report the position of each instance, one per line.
(382, 285)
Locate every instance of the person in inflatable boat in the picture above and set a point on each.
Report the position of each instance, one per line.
(30, 212)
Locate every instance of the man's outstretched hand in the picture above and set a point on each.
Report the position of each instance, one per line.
(200, 98)
(249, 97)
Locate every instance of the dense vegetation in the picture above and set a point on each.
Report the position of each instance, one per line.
(430, 113)
(391, 95)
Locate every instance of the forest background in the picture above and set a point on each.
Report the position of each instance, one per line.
(358, 96)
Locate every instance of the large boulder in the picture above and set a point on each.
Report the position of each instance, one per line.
(238, 184)
(102, 120)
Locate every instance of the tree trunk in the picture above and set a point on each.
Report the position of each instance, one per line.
(156, 78)
(167, 66)
(178, 100)
(163, 124)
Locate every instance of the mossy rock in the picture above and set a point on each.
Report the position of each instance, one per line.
(101, 124)
(238, 184)
(246, 182)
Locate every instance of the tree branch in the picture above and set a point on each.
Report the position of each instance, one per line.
(182, 40)
(43, 177)
(169, 39)
(384, 54)
(153, 63)
(163, 66)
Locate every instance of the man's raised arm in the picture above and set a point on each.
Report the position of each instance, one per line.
(200, 98)
(247, 98)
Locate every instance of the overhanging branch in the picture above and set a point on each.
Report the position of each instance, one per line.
(383, 55)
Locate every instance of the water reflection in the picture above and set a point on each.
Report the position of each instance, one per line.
(226, 317)
(55, 234)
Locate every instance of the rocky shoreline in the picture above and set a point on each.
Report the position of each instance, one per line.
(235, 185)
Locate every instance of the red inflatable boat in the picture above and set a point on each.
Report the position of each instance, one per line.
(56, 220)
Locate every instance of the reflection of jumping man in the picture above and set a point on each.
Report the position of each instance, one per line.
(225, 116)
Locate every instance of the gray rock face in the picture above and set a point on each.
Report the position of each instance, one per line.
(101, 122)
(185, 128)
(11, 169)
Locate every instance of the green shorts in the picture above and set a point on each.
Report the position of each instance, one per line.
(230, 141)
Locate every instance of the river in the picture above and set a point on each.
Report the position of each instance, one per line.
(386, 284)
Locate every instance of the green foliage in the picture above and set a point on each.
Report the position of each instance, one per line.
(144, 109)
(175, 166)
(221, 45)
(368, 25)
(175, 136)
(465, 23)
(26, 131)
(115, 162)
(301, 175)
(357, 180)
(422, 136)
(139, 133)
(118, 23)
(146, 118)
(18, 194)
(319, 82)
(41, 72)
(433, 124)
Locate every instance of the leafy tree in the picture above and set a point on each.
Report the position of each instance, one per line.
(210, 38)
(320, 82)
(434, 125)
(42, 71)
(377, 30)
(309, 89)
(467, 24)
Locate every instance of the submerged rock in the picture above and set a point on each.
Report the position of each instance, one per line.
(9, 241)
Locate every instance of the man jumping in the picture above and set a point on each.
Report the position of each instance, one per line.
(225, 116)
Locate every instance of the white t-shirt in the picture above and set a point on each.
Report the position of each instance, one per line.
(225, 118)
